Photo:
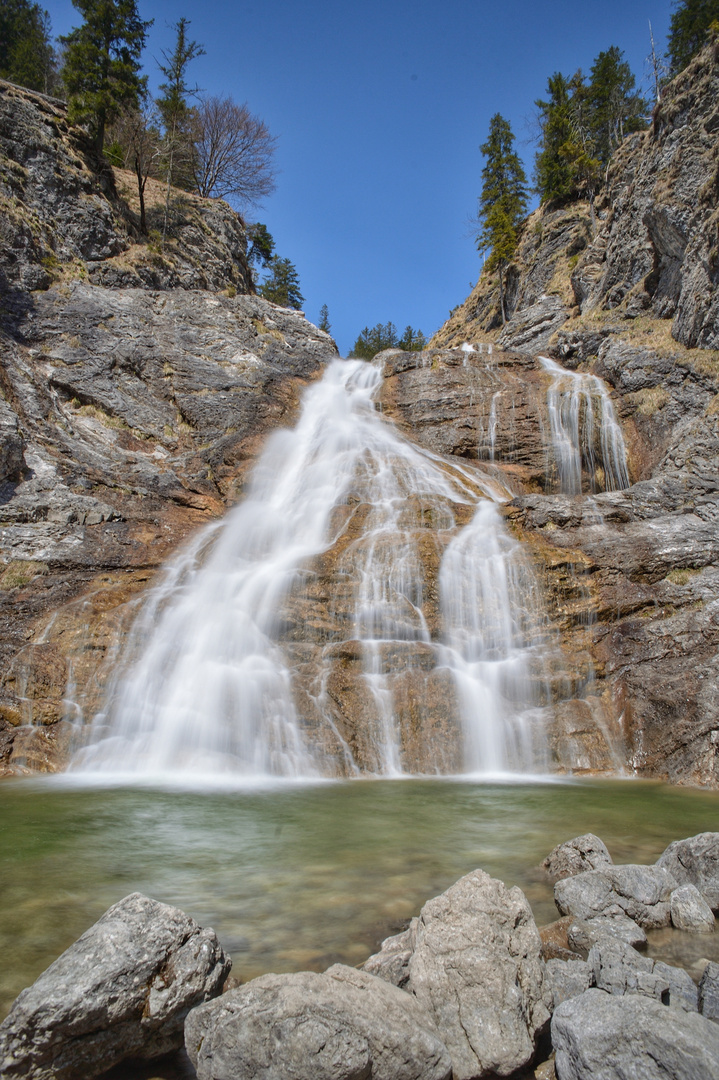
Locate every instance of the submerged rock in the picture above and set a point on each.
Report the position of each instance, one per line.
(599, 1036)
(575, 856)
(341, 1025)
(122, 990)
(477, 970)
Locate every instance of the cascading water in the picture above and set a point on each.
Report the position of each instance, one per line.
(582, 421)
(209, 681)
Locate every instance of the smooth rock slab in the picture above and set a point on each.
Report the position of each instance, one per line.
(690, 911)
(602, 1037)
(342, 1025)
(568, 978)
(640, 892)
(122, 990)
(477, 970)
(695, 861)
(575, 856)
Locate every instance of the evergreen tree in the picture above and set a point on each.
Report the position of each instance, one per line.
(553, 174)
(102, 63)
(503, 201)
(616, 109)
(26, 53)
(374, 340)
(688, 30)
(324, 323)
(412, 340)
(262, 245)
(283, 284)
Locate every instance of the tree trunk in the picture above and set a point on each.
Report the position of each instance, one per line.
(141, 181)
(501, 296)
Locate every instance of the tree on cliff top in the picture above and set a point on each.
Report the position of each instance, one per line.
(688, 29)
(26, 53)
(233, 152)
(102, 63)
(503, 201)
(283, 284)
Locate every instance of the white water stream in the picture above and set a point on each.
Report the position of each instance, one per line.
(207, 684)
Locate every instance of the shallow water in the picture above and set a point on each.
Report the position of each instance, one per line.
(295, 877)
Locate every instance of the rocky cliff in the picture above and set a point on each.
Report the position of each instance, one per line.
(137, 383)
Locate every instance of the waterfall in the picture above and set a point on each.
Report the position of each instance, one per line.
(584, 432)
(208, 681)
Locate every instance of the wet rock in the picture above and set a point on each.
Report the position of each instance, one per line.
(695, 861)
(122, 990)
(583, 933)
(641, 892)
(555, 941)
(341, 1025)
(600, 1036)
(568, 978)
(391, 963)
(476, 969)
(619, 969)
(586, 852)
(709, 992)
(690, 911)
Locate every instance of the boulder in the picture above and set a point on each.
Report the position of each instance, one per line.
(695, 861)
(122, 990)
(582, 934)
(709, 992)
(568, 978)
(341, 1025)
(641, 892)
(575, 856)
(619, 969)
(690, 911)
(391, 963)
(599, 1036)
(477, 970)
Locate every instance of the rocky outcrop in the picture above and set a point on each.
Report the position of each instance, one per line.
(122, 990)
(341, 1025)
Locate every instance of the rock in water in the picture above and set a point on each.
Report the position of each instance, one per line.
(695, 861)
(477, 969)
(690, 911)
(640, 892)
(602, 1037)
(341, 1025)
(122, 990)
(575, 856)
(709, 992)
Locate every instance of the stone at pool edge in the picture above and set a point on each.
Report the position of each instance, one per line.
(343, 1024)
(690, 911)
(695, 861)
(640, 892)
(105, 999)
(587, 852)
(606, 1037)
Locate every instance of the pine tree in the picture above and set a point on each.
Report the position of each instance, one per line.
(102, 63)
(26, 53)
(283, 284)
(412, 340)
(553, 174)
(503, 201)
(324, 323)
(688, 30)
(373, 340)
(616, 109)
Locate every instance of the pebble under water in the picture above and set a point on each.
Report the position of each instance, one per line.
(299, 876)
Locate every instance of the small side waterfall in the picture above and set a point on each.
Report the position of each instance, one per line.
(585, 437)
(208, 682)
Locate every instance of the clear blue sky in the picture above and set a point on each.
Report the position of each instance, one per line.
(379, 107)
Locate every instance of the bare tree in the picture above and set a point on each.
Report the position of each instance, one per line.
(233, 152)
(141, 148)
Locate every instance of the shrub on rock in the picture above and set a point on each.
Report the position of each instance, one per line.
(122, 990)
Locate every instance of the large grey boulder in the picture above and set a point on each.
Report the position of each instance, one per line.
(690, 911)
(599, 1036)
(709, 992)
(477, 970)
(585, 852)
(341, 1025)
(582, 934)
(122, 990)
(619, 969)
(641, 892)
(391, 963)
(695, 861)
(568, 978)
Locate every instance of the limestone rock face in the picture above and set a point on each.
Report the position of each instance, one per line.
(690, 911)
(343, 1024)
(695, 861)
(619, 969)
(605, 1037)
(122, 990)
(476, 969)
